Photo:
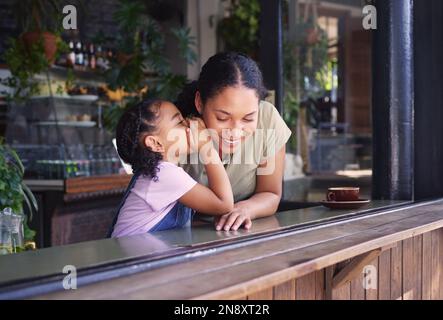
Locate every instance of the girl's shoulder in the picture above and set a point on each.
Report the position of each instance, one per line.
(168, 169)
(167, 172)
(171, 183)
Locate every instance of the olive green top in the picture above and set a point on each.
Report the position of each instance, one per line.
(242, 167)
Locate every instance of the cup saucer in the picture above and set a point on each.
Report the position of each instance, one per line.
(345, 205)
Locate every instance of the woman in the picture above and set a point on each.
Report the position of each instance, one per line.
(251, 140)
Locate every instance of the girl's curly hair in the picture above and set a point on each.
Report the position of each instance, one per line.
(132, 126)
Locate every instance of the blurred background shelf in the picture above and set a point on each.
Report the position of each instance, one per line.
(80, 124)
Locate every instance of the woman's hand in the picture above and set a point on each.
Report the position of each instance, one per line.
(239, 216)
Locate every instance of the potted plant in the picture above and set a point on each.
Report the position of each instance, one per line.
(39, 20)
(14, 193)
(36, 48)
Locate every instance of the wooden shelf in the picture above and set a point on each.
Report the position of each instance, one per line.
(97, 183)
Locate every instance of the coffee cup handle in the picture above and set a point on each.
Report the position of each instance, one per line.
(331, 196)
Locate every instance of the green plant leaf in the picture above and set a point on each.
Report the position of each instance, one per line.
(30, 201)
(18, 162)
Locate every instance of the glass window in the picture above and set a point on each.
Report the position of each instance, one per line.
(328, 95)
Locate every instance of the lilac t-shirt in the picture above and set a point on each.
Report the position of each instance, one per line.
(149, 201)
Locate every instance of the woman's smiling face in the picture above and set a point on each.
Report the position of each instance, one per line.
(232, 113)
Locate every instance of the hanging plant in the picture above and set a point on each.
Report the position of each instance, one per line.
(239, 31)
(140, 68)
(312, 43)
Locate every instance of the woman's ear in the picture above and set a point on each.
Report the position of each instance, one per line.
(154, 143)
(198, 102)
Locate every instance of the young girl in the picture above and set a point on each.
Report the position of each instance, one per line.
(162, 195)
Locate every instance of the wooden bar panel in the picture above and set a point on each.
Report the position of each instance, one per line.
(370, 292)
(437, 264)
(408, 270)
(357, 290)
(417, 247)
(342, 293)
(285, 291)
(440, 267)
(384, 274)
(411, 270)
(307, 258)
(266, 294)
(427, 266)
(305, 287)
(397, 272)
(320, 285)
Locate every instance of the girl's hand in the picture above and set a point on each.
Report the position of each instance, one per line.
(233, 220)
(196, 139)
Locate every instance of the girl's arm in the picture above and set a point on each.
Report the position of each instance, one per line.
(263, 203)
(217, 199)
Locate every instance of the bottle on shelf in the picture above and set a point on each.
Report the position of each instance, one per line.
(85, 56)
(109, 54)
(78, 54)
(71, 54)
(101, 58)
(92, 58)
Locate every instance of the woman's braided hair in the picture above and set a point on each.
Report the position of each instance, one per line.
(136, 122)
(223, 70)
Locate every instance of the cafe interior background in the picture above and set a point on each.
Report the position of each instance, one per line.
(60, 99)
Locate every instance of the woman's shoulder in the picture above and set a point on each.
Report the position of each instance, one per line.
(267, 114)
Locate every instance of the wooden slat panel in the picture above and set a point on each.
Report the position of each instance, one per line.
(384, 275)
(342, 293)
(437, 264)
(357, 290)
(266, 294)
(397, 272)
(372, 294)
(417, 266)
(427, 266)
(408, 269)
(329, 275)
(320, 285)
(440, 244)
(305, 287)
(285, 291)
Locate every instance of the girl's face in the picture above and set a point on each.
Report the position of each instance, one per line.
(233, 114)
(170, 137)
